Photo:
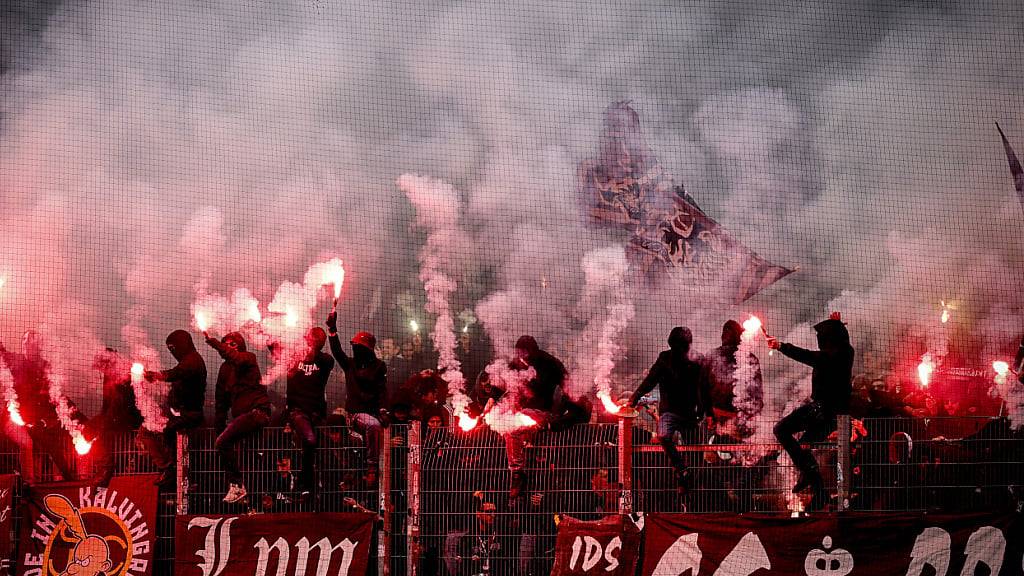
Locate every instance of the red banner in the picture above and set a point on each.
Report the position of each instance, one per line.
(850, 544)
(608, 547)
(307, 544)
(6, 522)
(80, 529)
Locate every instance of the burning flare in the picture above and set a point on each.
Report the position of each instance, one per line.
(414, 325)
(82, 446)
(467, 423)
(925, 370)
(1002, 370)
(12, 409)
(523, 421)
(202, 321)
(10, 395)
(137, 371)
(751, 326)
(945, 311)
(609, 404)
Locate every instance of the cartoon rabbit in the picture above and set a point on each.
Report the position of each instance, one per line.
(91, 555)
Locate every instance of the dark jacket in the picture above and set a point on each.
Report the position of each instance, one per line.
(188, 378)
(366, 380)
(119, 411)
(831, 376)
(32, 385)
(239, 382)
(307, 385)
(683, 391)
(540, 392)
(719, 374)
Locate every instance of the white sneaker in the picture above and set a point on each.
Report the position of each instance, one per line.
(235, 493)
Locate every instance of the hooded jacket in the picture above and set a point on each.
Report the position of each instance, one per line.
(119, 412)
(188, 378)
(366, 378)
(831, 366)
(551, 373)
(678, 378)
(239, 382)
(307, 384)
(32, 385)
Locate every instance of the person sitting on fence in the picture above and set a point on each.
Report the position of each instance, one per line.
(365, 390)
(31, 374)
(684, 400)
(831, 389)
(183, 407)
(240, 389)
(306, 403)
(118, 416)
(536, 400)
(719, 372)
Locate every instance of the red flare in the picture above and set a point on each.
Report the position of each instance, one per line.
(925, 370)
(137, 372)
(751, 326)
(82, 446)
(202, 322)
(15, 414)
(467, 423)
(609, 405)
(523, 421)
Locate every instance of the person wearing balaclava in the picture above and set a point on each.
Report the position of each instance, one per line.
(31, 374)
(684, 400)
(366, 380)
(183, 407)
(719, 374)
(239, 388)
(307, 402)
(831, 389)
(119, 414)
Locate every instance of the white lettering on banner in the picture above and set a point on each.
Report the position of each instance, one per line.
(930, 549)
(819, 562)
(216, 551)
(283, 556)
(986, 546)
(682, 555)
(746, 558)
(594, 552)
(326, 554)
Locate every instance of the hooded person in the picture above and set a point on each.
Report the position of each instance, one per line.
(831, 389)
(719, 374)
(183, 407)
(684, 402)
(31, 374)
(306, 402)
(240, 390)
(366, 380)
(119, 413)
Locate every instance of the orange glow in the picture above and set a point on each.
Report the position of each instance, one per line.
(467, 423)
(12, 409)
(202, 322)
(1001, 368)
(82, 446)
(609, 405)
(522, 420)
(925, 370)
(137, 371)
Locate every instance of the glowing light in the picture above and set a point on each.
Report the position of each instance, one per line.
(945, 316)
(465, 329)
(291, 319)
(202, 322)
(414, 325)
(925, 370)
(1001, 368)
(334, 274)
(3, 280)
(466, 422)
(751, 326)
(137, 371)
(82, 446)
(13, 410)
(523, 421)
(609, 405)
(254, 312)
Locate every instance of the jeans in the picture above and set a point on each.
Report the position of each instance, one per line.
(515, 441)
(304, 436)
(370, 428)
(816, 426)
(668, 425)
(162, 446)
(240, 428)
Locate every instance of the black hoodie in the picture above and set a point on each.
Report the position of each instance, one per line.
(307, 384)
(366, 378)
(682, 390)
(239, 382)
(551, 373)
(831, 367)
(188, 378)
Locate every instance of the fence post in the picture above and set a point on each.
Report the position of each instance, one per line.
(384, 491)
(844, 468)
(413, 486)
(181, 497)
(625, 455)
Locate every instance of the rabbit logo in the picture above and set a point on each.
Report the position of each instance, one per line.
(73, 550)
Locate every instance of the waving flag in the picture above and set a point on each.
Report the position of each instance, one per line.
(627, 188)
(1015, 168)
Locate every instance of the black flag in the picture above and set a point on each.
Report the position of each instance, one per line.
(1015, 169)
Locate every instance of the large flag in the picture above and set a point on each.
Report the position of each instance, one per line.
(1015, 168)
(626, 187)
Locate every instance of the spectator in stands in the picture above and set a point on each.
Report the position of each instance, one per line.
(31, 374)
(183, 407)
(241, 392)
(365, 390)
(118, 415)
(307, 403)
(482, 548)
(831, 388)
(684, 400)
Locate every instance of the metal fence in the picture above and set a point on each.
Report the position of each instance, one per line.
(442, 494)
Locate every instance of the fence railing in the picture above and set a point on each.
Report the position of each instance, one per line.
(442, 494)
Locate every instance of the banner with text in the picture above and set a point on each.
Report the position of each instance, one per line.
(6, 522)
(268, 545)
(74, 528)
(609, 547)
(851, 544)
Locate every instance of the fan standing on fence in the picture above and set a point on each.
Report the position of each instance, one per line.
(684, 400)
(119, 413)
(307, 403)
(831, 389)
(240, 388)
(366, 380)
(184, 406)
(31, 374)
